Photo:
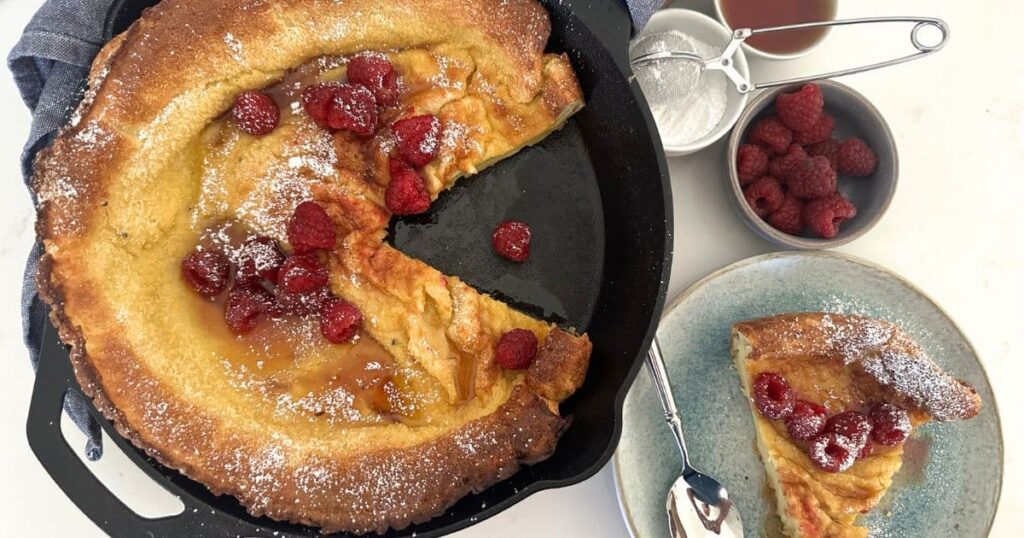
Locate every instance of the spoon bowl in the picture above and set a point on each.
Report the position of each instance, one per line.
(691, 516)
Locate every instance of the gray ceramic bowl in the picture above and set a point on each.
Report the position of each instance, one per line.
(855, 116)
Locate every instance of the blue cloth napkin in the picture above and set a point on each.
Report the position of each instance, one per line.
(50, 64)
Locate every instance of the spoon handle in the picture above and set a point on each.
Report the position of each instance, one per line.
(656, 365)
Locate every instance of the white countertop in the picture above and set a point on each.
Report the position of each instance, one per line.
(959, 122)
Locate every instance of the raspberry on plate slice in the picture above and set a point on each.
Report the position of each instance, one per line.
(316, 101)
(789, 217)
(206, 271)
(310, 228)
(375, 71)
(772, 134)
(806, 420)
(812, 178)
(516, 349)
(850, 424)
(751, 162)
(764, 196)
(772, 395)
(302, 273)
(418, 138)
(833, 452)
(259, 258)
(340, 320)
(890, 424)
(819, 132)
(255, 113)
(511, 240)
(855, 158)
(801, 109)
(782, 167)
(406, 193)
(828, 149)
(352, 108)
(246, 302)
(824, 215)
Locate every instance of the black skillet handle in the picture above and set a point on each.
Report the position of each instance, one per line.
(54, 379)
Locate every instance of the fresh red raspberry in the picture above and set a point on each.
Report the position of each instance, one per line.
(259, 258)
(764, 196)
(352, 108)
(206, 271)
(302, 273)
(824, 215)
(772, 395)
(316, 101)
(802, 109)
(828, 149)
(406, 193)
(812, 178)
(340, 320)
(856, 158)
(832, 452)
(820, 131)
(772, 134)
(751, 162)
(789, 217)
(850, 424)
(511, 240)
(376, 72)
(246, 302)
(418, 138)
(310, 228)
(891, 425)
(299, 304)
(255, 113)
(782, 167)
(516, 349)
(806, 421)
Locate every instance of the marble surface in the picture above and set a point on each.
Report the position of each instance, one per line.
(959, 122)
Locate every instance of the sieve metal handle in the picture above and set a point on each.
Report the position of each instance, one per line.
(724, 61)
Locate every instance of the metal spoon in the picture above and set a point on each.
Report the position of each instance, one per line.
(697, 504)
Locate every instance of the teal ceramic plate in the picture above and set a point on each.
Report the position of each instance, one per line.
(950, 481)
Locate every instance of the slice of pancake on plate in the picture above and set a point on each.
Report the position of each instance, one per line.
(834, 397)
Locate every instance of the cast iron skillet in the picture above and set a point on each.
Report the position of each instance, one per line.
(598, 199)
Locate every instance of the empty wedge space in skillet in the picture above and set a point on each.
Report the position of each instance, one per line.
(150, 166)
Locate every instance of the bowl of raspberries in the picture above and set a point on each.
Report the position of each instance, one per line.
(812, 166)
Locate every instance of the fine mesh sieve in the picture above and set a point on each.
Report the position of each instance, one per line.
(669, 65)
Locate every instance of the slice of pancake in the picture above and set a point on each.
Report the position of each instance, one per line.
(377, 434)
(843, 363)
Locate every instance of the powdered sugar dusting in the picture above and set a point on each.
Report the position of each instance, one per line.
(916, 378)
(852, 340)
(235, 47)
(457, 141)
(93, 136)
(270, 204)
(315, 153)
(448, 71)
(59, 189)
(888, 355)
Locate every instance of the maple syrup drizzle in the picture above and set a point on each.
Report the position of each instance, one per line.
(288, 353)
(287, 92)
(290, 356)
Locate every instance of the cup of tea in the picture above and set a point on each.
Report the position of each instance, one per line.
(764, 14)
